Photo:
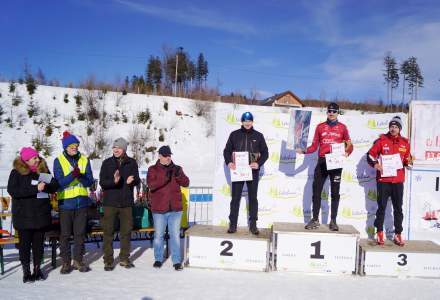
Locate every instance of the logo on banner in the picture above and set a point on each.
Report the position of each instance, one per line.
(271, 141)
(298, 211)
(226, 190)
(277, 123)
(372, 195)
(349, 213)
(285, 193)
(265, 211)
(361, 142)
(375, 124)
(275, 157)
(232, 119)
(432, 155)
(347, 176)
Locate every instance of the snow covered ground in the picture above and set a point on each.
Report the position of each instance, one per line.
(144, 282)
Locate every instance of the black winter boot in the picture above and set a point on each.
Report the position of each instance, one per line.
(38, 274)
(27, 276)
(253, 228)
(232, 228)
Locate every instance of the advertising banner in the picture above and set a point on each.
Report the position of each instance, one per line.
(285, 186)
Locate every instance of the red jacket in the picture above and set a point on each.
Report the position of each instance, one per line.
(165, 195)
(325, 135)
(387, 145)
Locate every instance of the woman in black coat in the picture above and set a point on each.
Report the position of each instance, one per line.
(31, 211)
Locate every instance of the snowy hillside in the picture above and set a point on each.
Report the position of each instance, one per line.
(98, 118)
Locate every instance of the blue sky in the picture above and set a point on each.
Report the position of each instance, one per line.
(331, 49)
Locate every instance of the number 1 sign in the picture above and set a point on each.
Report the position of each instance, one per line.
(320, 251)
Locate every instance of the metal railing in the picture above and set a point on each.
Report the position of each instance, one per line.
(200, 205)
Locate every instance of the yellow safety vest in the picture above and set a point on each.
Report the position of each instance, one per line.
(75, 188)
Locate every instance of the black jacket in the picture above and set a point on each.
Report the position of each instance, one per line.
(246, 140)
(120, 194)
(28, 211)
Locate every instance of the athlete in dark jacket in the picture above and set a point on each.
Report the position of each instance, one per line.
(246, 139)
(327, 133)
(389, 144)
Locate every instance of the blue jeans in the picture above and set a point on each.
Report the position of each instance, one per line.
(172, 219)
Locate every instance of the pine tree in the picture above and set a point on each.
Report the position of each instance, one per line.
(391, 76)
(134, 83)
(12, 87)
(157, 74)
(31, 84)
(40, 78)
(413, 75)
(153, 74)
(405, 70)
(126, 86)
(200, 70)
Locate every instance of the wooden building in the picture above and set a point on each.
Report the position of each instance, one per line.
(285, 99)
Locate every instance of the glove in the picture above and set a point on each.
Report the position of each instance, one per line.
(76, 173)
(169, 174)
(177, 170)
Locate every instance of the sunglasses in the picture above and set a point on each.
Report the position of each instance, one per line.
(332, 111)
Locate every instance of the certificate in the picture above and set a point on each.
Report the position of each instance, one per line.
(243, 171)
(334, 161)
(390, 165)
(46, 178)
(338, 148)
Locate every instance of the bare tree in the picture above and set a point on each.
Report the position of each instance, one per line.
(138, 138)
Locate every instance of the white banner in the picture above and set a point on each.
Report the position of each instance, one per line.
(285, 187)
(425, 131)
(424, 197)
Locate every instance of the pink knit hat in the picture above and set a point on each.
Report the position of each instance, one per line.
(27, 153)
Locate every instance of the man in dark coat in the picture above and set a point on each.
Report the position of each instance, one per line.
(30, 208)
(164, 180)
(246, 139)
(118, 177)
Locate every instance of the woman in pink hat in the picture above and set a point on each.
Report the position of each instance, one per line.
(29, 185)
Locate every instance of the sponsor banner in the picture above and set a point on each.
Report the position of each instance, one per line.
(424, 197)
(402, 264)
(228, 253)
(321, 253)
(425, 131)
(285, 187)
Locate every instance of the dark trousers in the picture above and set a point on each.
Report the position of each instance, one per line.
(73, 222)
(319, 179)
(31, 239)
(384, 191)
(237, 188)
(126, 225)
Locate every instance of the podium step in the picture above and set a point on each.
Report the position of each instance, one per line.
(315, 251)
(415, 259)
(208, 246)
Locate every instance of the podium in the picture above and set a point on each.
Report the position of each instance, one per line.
(297, 249)
(208, 246)
(415, 259)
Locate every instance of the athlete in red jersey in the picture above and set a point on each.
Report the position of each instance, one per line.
(327, 133)
(392, 186)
